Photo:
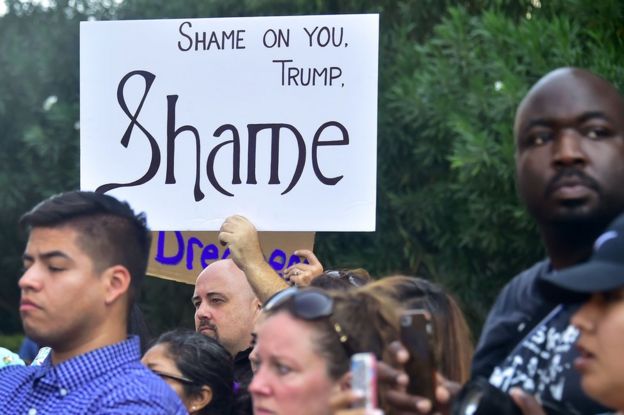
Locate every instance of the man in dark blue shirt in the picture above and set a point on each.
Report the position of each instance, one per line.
(83, 265)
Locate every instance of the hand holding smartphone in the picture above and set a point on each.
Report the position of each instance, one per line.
(364, 379)
(416, 336)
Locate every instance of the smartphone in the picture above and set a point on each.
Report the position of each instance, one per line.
(364, 379)
(416, 336)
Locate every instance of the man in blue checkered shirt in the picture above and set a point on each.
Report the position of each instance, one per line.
(83, 265)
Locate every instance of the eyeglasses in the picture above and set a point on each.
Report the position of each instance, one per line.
(309, 304)
(339, 275)
(180, 379)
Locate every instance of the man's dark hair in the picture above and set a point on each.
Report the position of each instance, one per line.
(108, 230)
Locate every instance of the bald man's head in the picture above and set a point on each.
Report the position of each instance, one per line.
(564, 85)
(569, 133)
(225, 305)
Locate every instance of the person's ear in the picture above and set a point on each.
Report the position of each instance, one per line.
(117, 282)
(200, 400)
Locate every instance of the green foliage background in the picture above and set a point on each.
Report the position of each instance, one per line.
(451, 75)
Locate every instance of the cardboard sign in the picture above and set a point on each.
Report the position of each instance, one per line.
(181, 256)
(194, 120)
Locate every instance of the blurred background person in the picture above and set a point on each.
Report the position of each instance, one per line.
(8, 358)
(452, 341)
(600, 319)
(198, 368)
(569, 140)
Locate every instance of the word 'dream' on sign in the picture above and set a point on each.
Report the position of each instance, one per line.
(181, 256)
(273, 118)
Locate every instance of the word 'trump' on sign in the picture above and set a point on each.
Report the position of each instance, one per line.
(274, 118)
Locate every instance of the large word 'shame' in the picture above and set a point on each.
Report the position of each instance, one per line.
(174, 131)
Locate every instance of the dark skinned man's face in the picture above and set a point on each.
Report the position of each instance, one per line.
(570, 149)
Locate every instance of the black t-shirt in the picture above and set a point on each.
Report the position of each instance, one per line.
(528, 342)
(518, 308)
(242, 368)
(243, 376)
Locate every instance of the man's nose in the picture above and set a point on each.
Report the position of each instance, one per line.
(568, 149)
(30, 280)
(203, 312)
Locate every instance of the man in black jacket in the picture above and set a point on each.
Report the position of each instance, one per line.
(569, 133)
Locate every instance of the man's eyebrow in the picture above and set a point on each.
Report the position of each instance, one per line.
(593, 114)
(536, 122)
(547, 122)
(47, 255)
(220, 294)
(208, 295)
(215, 293)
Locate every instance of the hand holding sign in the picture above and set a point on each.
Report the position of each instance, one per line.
(303, 273)
(241, 238)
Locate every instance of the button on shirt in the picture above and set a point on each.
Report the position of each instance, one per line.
(109, 380)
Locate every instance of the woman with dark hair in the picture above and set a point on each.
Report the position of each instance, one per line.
(595, 289)
(198, 368)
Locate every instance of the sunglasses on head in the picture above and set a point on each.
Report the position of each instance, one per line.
(340, 275)
(308, 304)
(180, 379)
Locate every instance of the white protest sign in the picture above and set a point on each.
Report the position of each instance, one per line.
(194, 120)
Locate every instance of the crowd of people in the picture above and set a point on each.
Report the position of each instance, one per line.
(270, 344)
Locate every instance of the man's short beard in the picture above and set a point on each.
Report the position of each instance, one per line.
(211, 327)
(580, 227)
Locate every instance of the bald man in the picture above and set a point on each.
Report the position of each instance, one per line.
(226, 308)
(569, 135)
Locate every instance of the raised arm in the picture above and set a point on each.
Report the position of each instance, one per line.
(241, 237)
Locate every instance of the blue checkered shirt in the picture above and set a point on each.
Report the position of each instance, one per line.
(109, 380)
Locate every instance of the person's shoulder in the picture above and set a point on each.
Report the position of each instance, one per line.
(135, 389)
(520, 297)
(522, 287)
(516, 308)
(9, 374)
(528, 277)
(14, 378)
